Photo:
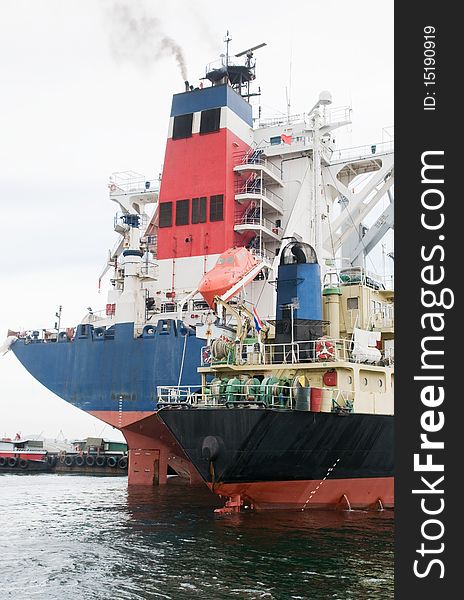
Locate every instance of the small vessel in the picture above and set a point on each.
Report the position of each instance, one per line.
(93, 456)
(24, 456)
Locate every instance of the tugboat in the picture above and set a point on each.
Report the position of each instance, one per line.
(231, 180)
(23, 456)
(301, 420)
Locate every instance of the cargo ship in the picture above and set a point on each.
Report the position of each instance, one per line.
(231, 180)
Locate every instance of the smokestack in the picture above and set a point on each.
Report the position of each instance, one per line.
(187, 86)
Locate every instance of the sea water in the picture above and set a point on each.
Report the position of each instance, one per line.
(68, 537)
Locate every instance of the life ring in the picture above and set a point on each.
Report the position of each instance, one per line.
(112, 187)
(324, 350)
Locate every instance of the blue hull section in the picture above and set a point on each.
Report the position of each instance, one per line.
(110, 370)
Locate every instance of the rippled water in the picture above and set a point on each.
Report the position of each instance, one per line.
(81, 538)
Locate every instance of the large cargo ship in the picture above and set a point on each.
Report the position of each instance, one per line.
(230, 180)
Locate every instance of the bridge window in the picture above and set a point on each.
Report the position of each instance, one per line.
(199, 210)
(210, 120)
(165, 217)
(182, 126)
(216, 208)
(182, 212)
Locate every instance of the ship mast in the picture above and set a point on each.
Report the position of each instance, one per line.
(318, 123)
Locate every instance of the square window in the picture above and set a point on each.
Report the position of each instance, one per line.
(182, 127)
(210, 120)
(216, 208)
(199, 210)
(165, 216)
(352, 303)
(182, 212)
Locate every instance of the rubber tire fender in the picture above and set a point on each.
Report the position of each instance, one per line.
(122, 462)
(210, 448)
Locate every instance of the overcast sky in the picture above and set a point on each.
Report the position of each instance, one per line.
(83, 95)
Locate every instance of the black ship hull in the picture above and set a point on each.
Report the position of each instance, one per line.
(283, 459)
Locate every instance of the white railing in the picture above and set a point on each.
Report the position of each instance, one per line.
(259, 190)
(362, 152)
(130, 181)
(262, 254)
(248, 219)
(254, 156)
(285, 394)
(180, 394)
(322, 350)
(332, 115)
(282, 120)
(361, 276)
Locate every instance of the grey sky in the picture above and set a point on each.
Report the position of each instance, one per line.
(80, 99)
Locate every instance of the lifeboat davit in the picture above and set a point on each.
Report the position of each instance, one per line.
(231, 267)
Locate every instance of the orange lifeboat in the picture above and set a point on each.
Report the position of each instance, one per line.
(231, 267)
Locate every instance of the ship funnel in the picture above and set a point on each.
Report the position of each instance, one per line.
(187, 85)
(299, 302)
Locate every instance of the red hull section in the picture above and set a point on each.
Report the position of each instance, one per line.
(152, 448)
(364, 493)
(21, 454)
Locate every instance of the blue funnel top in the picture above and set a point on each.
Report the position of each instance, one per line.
(299, 283)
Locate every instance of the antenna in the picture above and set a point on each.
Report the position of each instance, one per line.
(250, 50)
(289, 93)
(227, 40)
(249, 56)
